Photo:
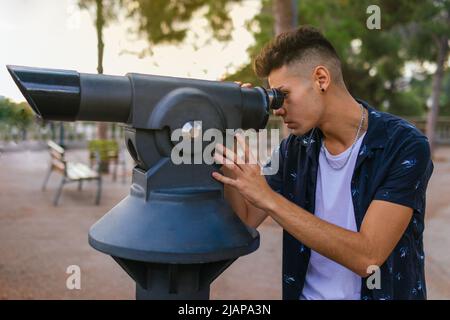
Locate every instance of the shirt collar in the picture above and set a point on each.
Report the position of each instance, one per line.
(375, 137)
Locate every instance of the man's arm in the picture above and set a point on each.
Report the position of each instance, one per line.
(382, 227)
(248, 213)
(384, 223)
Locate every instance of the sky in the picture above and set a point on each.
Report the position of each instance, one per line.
(57, 34)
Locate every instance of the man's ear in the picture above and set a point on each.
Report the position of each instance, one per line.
(322, 78)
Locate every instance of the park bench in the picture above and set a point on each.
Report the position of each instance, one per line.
(71, 172)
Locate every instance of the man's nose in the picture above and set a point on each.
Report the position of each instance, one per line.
(279, 112)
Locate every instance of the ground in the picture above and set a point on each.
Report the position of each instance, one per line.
(39, 241)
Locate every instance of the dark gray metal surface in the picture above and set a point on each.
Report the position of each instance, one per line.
(174, 233)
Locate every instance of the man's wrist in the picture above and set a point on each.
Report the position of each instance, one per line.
(270, 204)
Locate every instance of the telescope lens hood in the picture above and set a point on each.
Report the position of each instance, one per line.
(53, 94)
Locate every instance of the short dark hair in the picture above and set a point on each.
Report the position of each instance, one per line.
(293, 46)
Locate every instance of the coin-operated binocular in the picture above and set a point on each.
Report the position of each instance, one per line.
(174, 233)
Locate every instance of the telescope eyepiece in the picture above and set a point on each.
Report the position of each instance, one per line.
(257, 103)
(275, 98)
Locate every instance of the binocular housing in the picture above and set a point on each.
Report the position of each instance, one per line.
(67, 95)
(174, 233)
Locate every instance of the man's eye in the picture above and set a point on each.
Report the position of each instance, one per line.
(285, 93)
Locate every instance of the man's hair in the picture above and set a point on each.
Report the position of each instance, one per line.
(303, 45)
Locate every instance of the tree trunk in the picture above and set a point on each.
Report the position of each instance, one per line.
(102, 128)
(99, 23)
(285, 13)
(433, 113)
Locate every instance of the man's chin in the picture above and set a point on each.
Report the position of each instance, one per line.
(296, 131)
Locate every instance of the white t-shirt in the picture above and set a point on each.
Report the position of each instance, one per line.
(326, 279)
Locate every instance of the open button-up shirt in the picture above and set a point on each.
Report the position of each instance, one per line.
(393, 164)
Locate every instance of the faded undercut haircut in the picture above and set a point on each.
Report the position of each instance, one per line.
(304, 46)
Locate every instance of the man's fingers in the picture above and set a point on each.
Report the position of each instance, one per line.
(248, 155)
(228, 154)
(225, 180)
(232, 157)
(221, 151)
(226, 163)
(221, 159)
(244, 85)
(243, 145)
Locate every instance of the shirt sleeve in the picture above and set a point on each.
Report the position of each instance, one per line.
(273, 170)
(406, 181)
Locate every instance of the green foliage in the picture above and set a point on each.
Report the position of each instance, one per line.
(407, 103)
(167, 22)
(110, 9)
(19, 115)
(427, 21)
(106, 149)
(262, 29)
(5, 110)
(445, 98)
(373, 60)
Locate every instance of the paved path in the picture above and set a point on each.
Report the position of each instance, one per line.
(39, 241)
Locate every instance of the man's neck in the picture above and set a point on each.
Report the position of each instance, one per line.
(341, 119)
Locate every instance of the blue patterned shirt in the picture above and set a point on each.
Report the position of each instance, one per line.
(393, 164)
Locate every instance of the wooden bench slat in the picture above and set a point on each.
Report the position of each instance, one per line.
(59, 165)
(56, 155)
(80, 171)
(54, 146)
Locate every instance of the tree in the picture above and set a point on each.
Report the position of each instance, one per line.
(105, 12)
(427, 38)
(276, 16)
(262, 28)
(159, 21)
(422, 29)
(22, 118)
(373, 60)
(167, 22)
(285, 13)
(17, 115)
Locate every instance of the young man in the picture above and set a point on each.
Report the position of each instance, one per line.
(350, 191)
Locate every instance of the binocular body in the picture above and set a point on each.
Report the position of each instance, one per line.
(145, 103)
(67, 95)
(174, 233)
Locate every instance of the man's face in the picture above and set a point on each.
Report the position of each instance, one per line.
(302, 106)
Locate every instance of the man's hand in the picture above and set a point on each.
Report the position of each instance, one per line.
(244, 85)
(248, 213)
(243, 174)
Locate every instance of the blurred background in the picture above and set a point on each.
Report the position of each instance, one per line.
(399, 66)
